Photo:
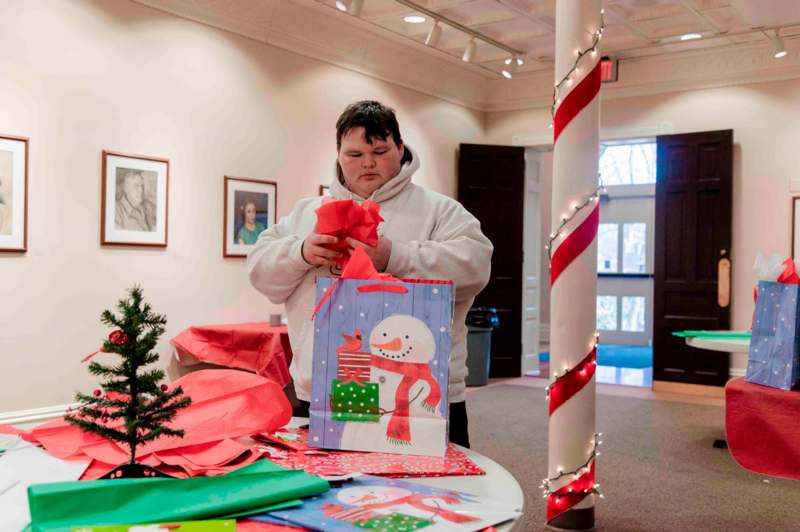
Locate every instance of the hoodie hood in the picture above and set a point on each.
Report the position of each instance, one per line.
(387, 191)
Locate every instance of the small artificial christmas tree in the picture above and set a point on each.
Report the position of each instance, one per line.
(134, 397)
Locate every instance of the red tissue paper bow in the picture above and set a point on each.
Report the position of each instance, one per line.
(346, 218)
(787, 276)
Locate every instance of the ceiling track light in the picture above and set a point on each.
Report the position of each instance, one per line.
(778, 47)
(464, 29)
(351, 7)
(469, 51)
(434, 35)
(511, 67)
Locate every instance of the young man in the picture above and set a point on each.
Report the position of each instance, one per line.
(424, 235)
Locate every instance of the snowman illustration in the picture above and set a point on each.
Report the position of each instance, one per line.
(393, 505)
(401, 348)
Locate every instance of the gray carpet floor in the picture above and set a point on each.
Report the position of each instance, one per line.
(658, 470)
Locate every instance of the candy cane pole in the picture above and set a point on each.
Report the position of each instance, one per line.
(570, 486)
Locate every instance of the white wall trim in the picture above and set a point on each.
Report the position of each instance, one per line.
(737, 372)
(544, 333)
(45, 413)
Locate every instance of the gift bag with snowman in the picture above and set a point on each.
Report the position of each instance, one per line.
(381, 364)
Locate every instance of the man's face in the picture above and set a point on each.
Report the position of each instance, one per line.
(134, 189)
(367, 166)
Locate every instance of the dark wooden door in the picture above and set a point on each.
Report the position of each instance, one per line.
(693, 234)
(491, 185)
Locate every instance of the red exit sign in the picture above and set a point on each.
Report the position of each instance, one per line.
(608, 70)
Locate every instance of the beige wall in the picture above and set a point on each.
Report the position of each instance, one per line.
(766, 156)
(82, 76)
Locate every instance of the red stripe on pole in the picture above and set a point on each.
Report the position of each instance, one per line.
(564, 499)
(575, 244)
(567, 386)
(576, 100)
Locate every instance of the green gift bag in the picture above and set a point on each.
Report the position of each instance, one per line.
(58, 506)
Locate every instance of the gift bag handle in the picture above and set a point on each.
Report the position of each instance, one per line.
(392, 288)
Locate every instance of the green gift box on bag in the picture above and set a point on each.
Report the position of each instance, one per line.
(60, 506)
(394, 523)
(354, 401)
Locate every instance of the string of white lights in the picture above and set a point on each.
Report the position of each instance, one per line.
(559, 376)
(566, 218)
(567, 79)
(546, 485)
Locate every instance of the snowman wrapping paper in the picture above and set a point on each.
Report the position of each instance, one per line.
(391, 505)
(381, 366)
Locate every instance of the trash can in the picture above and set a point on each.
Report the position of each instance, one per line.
(480, 323)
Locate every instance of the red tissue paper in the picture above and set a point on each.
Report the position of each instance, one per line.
(290, 449)
(226, 405)
(346, 218)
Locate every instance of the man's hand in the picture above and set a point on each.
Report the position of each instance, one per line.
(379, 254)
(316, 254)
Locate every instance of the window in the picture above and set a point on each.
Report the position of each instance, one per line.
(607, 248)
(628, 164)
(634, 246)
(633, 314)
(606, 313)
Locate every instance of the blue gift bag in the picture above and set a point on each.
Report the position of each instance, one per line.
(775, 346)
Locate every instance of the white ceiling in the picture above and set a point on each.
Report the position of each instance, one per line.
(634, 28)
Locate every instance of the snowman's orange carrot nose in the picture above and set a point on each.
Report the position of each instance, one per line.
(394, 345)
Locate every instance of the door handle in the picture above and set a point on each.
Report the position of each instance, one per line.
(724, 282)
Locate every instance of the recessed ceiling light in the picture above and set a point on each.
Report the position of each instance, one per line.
(691, 36)
(341, 6)
(414, 19)
(520, 62)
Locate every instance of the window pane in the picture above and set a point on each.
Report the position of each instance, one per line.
(633, 314)
(606, 313)
(607, 248)
(634, 247)
(628, 164)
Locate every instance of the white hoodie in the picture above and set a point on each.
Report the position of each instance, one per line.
(433, 237)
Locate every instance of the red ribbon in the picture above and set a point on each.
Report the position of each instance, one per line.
(567, 386)
(575, 244)
(576, 100)
(567, 497)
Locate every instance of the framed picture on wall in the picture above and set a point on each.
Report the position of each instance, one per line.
(135, 200)
(324, 190)
(249, 209)
(796, 228)
(13, 194)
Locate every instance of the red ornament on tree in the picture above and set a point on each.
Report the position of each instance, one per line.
(118, 337)
(164, 387)
(96, 393)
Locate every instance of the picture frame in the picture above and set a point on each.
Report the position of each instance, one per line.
(13, 194)
(796, 228)
(324, 190)
(135, 200)
(249, 209)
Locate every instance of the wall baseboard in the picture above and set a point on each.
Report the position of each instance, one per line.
(37, 415)
(737, 372)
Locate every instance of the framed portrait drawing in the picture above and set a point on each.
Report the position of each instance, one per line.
(324, 190)
(135, 200)
(796, 228)
(13, 194)
(249, 209)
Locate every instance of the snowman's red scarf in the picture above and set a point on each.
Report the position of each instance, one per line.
(399, 428)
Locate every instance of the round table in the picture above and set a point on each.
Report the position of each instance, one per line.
(497, 483)
(737, 345)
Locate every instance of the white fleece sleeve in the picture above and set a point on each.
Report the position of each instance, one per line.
(456, 250)
(275, 264)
